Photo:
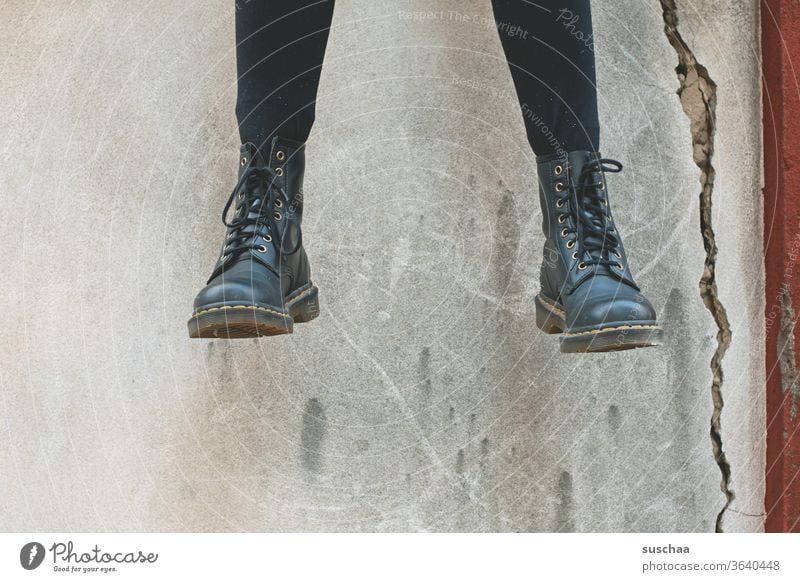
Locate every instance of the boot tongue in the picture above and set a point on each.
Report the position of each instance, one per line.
(578, 160)
(589, 208)
(250, 156)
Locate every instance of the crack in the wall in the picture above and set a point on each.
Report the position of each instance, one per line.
(698, 95)
(787, 359)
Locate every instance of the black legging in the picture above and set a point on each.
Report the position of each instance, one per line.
(548, 44)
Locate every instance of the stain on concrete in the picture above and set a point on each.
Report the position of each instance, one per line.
(564, 516)
(685, 358)
(483, 462)
(507, 237)
(424, 375)
(614, 418)
(220, 364)
(683, 352)
(314, 431)
(460, 462)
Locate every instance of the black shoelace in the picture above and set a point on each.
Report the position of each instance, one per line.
(596, 234)
(258, 211)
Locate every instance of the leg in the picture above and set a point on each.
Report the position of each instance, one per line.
(280, 45)
(550, 50)
(587, 290)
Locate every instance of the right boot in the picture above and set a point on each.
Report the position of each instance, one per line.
(261, 284)
(587, 294)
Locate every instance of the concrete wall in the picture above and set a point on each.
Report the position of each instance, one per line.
(424, 397)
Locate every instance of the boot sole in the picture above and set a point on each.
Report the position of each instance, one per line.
(250, 321)
(609, 338)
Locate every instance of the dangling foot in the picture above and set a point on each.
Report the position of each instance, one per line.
(261, 284)
(587, 291)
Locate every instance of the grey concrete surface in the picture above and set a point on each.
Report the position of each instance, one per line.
(424, 398)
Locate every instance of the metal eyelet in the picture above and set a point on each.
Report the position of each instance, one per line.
(575, 256)
(570, 244)
(620, 266)
(582, 265)
(562, 218)
(278, 203)
(564, 232)
(241, 195)
(261, 249)
(280, 155)
(267, 238)
(244, 161)
(560, 203)
(618, 255)
(277, 216)
(559, 170)
(279, 171)
(559, 186)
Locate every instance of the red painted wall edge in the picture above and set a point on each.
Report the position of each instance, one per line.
(780, 44)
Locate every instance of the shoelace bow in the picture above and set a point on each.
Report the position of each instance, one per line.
(596, 233)
(260, 204)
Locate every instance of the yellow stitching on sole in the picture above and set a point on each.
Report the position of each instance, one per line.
(295, 298)
(241, 307)
(292, 300)
(612, 329)
(551, 306)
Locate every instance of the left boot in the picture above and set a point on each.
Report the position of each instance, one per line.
(261, 284)
(587, 291)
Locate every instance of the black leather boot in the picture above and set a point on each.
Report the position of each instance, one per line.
(587, 291)
(261, 284)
